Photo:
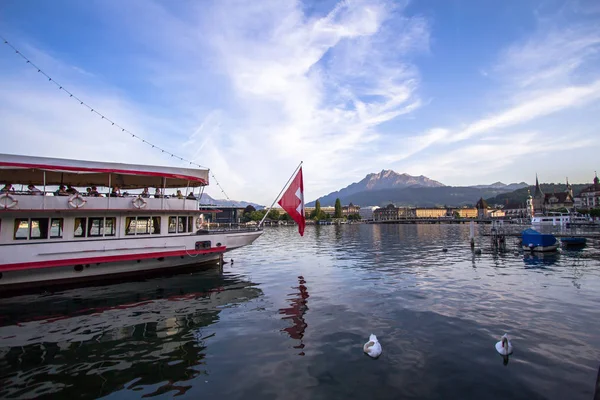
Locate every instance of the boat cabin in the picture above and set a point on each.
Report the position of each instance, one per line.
(103, 200)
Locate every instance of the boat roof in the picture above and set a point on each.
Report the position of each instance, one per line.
(19, 169)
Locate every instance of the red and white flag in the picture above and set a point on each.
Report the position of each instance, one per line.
(292, 201)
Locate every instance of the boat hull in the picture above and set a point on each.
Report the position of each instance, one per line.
(541, 248)
(117, 262)
(573, 242)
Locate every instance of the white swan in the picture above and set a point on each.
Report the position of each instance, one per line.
(372, 347)
(504, 346)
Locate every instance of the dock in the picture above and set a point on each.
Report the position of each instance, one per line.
(589, 235)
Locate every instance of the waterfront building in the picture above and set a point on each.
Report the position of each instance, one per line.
(366, 213)
(590, 196)
(387, 213)
(544, 202)
(431, 212)
(350, 209)
(466, 212)
(482, 208)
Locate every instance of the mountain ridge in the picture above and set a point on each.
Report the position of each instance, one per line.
(385, 179)
(208, 200)
(388, 186)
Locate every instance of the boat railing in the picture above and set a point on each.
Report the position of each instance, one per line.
(27, 202)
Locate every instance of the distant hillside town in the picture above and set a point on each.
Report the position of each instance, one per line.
(542, 201)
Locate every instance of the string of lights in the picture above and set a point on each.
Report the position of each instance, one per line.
(105, 118)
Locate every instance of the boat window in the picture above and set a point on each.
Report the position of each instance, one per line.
(190, 224)
(95, 227)
(38, 228)
(21, 229)
(110, 226)
(142, 225)
(79, 228)
(56, 228)
(182, 224)
(156, 225)
(172, 224)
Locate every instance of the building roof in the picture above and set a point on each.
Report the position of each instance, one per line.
(562, 197)
(482, 204)
(595, 187)
(538, 194)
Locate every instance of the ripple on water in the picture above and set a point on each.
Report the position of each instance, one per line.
(288, 320)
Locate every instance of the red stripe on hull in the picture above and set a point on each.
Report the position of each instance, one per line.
(105, 259)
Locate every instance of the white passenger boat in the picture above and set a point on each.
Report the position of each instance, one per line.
(558, 219)
(47, 238)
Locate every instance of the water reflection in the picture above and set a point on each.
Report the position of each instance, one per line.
(296, 314)
(94, 341)
(540, 260)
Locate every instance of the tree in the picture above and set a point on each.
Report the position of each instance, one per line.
(338, 209)
(317, 214)
(285, 217)
(595, 212)
(257, 215)
(273, 214)
(354, 217)
(249, 208)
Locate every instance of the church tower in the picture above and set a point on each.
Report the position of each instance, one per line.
(569, 189)
(529, 210)
(538, 198)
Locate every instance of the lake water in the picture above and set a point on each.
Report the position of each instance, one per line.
(289, 317)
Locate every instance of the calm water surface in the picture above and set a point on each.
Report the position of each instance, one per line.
(289, 317)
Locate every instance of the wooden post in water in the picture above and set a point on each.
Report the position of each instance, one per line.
(472, 234)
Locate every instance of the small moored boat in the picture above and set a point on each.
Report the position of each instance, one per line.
(535, 241)
(573, 241)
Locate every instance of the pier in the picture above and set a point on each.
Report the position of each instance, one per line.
(438, 221)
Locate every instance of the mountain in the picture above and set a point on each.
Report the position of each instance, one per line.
(500, 185)
(418, 197)
(208, 200)
(386, 179)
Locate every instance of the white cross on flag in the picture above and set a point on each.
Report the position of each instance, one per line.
(292, 201)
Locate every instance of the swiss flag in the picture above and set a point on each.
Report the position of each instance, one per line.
(292, 201)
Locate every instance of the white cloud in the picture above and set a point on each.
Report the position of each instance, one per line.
(470, 163)
(293, 88)
(252, 88)
(552, 72)
(545, 103)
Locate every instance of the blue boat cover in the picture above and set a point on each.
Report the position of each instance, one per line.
(531, 237)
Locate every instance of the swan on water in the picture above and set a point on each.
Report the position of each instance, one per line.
(504, 346)
(372, 347)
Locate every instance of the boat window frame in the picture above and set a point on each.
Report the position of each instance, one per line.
(172, 228)
(61, 228)
(88, 224)
(186, 223)
(152, 227)
(17, 228)
(44, 226)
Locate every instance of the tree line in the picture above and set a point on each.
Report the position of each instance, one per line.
(252, 214)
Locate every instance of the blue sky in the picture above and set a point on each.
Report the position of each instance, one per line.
(464, 92)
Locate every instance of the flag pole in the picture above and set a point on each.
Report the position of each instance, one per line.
(279, 195)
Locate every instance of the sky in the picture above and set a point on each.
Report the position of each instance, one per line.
(463, 92)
